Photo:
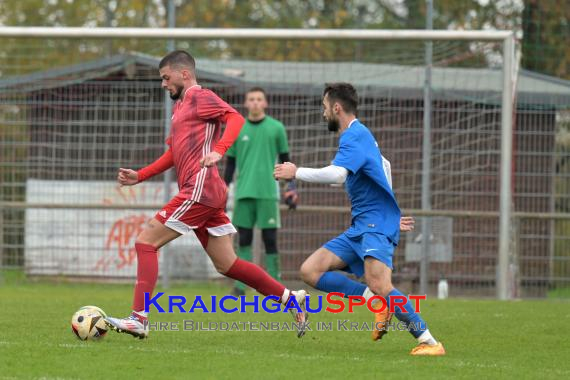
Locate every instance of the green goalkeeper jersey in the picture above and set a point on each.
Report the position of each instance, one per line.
(255, 151)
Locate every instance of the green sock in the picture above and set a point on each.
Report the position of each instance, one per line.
(244, 253)
(272, 264)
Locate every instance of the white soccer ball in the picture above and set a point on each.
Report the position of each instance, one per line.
(88, 323)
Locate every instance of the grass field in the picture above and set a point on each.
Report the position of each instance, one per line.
(484, 339)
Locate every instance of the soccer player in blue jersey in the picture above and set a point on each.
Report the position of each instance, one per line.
(367, 246)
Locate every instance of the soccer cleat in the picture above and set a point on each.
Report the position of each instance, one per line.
(302, 317)
(381, 321)
(135, 325)
(424, 349)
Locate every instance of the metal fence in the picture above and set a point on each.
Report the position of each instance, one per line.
(66, 125)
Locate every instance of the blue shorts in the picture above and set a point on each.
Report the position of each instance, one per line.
(353, 250)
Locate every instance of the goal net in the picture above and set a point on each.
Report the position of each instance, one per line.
(72, 111)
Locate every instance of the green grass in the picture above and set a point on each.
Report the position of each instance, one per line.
(484, 339)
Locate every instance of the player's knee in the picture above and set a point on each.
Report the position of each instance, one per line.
(379, 286)
(309, 274)
(148, 235)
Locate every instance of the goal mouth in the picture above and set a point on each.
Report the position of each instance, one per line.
(90, 101)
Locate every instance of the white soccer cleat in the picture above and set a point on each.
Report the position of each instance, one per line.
(302, 317)
(135, 325)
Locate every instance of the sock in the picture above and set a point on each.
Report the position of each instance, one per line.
(272, 264)
(243, 253)
(285, 296)
(419, 325)
(142, 317)
(427, 338)
(255, 277)
(367, 294)
(338, 282)
(147, 274)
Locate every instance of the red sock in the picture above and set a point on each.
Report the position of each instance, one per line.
(147, 273)
(255, 277)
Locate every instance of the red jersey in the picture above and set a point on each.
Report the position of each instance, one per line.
(195, 130)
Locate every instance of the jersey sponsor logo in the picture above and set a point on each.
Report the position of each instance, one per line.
(245, 138)
(162, 213)
(271, 221)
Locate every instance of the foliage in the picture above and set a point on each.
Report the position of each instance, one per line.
(544, 23)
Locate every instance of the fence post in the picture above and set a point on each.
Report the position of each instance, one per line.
(168, 260)
(426, 157)
(505, 178)
(514, 267)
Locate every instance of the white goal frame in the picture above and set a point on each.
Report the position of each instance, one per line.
(506, 38)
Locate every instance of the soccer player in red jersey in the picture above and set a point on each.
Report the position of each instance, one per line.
(195, 147)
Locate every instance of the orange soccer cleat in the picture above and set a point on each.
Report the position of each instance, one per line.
(424, 349)
(381, 320)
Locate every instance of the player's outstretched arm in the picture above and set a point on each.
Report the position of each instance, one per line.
(331, 174)
(129, 177)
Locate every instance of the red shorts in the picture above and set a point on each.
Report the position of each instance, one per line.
(183, 215)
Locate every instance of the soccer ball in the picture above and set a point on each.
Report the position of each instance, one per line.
(88, 323)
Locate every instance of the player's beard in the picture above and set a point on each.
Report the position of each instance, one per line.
(333, 125)
(176, 95)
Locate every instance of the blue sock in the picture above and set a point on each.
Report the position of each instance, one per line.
(338, 282)
(419, 325)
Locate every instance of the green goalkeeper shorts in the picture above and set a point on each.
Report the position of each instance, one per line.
(250, 212)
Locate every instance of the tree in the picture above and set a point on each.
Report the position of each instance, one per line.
(544, 25)
(546, 32)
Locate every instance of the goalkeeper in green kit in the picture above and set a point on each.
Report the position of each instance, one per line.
(261, 142)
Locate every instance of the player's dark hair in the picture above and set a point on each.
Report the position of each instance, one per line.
(256, 89)
(178, 58)
(343, 93)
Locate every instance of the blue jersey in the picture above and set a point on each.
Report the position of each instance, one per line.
(373, 204)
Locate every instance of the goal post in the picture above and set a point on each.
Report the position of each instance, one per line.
(505, 39)
(260, 33)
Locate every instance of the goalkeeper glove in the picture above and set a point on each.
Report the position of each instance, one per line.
(291, 196)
